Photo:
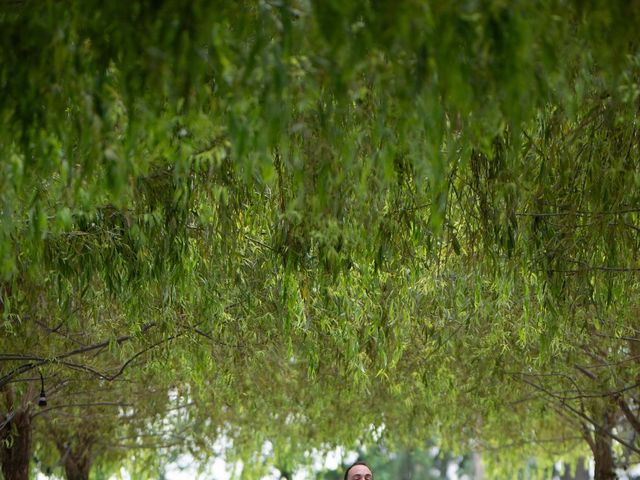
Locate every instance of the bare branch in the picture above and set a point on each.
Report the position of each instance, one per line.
(634, 421)
(599, 430)
(57, 358)
(82, 405)
(578, 213)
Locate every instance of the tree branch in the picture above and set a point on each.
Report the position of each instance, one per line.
(57, 359)
(599, 430)
(629, 415)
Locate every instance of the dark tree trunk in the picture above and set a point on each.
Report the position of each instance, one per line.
(76, 457)
(15, 452)
(285, 474)
(77, 467)
(602, 452)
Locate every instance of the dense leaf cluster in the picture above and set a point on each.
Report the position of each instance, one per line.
(304, 221)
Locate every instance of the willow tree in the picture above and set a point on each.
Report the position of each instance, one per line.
(132, 422)
(320, 194)
(563, 227)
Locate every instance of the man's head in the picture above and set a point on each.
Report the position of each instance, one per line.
(358, 471)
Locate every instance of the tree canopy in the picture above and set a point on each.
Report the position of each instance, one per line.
(305, 221)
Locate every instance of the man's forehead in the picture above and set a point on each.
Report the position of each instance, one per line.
(359, 470)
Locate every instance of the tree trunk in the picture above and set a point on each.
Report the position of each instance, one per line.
(76, 456)
(582, 473)
(603, 454)
(15, 452)
(77, 467)
(406, 467)
(284, 474)
(478, 467)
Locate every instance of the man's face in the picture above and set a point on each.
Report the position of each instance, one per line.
(360, 472)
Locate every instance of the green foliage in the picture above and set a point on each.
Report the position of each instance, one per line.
(312, 217)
